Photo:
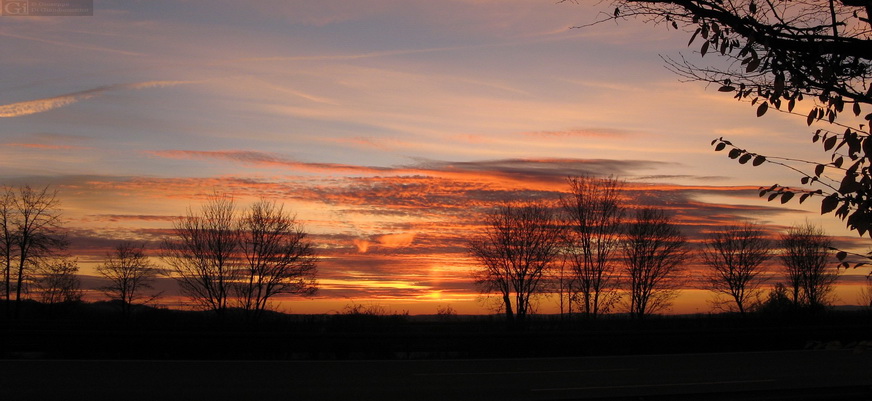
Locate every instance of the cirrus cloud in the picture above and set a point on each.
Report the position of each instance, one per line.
(50, 103)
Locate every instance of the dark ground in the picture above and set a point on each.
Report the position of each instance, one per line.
(785, 375)
(97, 331)
(90, 352)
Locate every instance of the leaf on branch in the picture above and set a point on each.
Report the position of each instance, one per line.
(786, 197)
(760, 159)
(726, 88)
(617, 11)
(773, 196)
(694, 36)
(752, 8)
(829, 204)
(819, 169)
(838, 162)
(704, 48)
(790, 104)
(811, 115)
(848, 185)
(842, 211)
(841, 255)
(761, 110)
(779, 84)
(720, 147)
(735, 153)
(752, 65)
(745, 158)
(803, 198)
(857, 108)
(830, 142)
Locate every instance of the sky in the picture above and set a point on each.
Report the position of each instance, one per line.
(387, 126)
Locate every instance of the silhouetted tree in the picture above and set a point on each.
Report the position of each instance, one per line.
(777, 54)
(203, 253)
(654, 249)
(778, 302)
(277, 257)
(516, 249)
(57, 281)
(866, 294)
(805, 254)
(130, 273)
(7, 242)
(593, 217)
(33, 224)
(735, 258)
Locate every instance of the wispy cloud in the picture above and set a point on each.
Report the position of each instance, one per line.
(74, 45)
(547, 170)
(263, 159)
(45, 104)
(582, 132)
(41, 146)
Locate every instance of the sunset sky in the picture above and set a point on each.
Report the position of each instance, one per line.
(388, 126)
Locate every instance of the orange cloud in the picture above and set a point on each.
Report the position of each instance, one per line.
(396, 240)
(361, 244)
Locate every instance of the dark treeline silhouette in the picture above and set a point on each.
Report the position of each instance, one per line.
(599, 253)
(221, 259)
(640, 257)
(593, 250)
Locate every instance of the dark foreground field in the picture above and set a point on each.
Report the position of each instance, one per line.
(97, 331)
(88, 351)
(785, 375)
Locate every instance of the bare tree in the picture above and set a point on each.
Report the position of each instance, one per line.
(57, 281)
(277, 257)
(203, 253)
(130, 273)
(33, 223)
(735, 258)
(7, 242)
(594, 215)
(866, 294)
(517, 248)
(806, 250)
(654, 249)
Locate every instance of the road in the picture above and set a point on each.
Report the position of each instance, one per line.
(818, 374)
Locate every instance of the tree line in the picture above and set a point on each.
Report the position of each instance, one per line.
(592, 250)
(596, 253)
(220, 256)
